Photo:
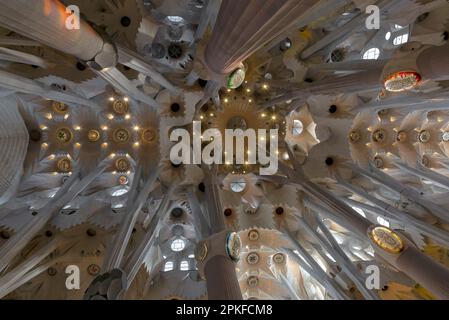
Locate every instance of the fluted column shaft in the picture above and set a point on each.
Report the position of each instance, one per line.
(222, 283)
(45, 21)
(219, 271)
(243, 27)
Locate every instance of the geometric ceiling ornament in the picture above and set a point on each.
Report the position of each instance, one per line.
(279, 258)
(122, 164)
(252, 258)
(64, 135)
(121, 135)
(59, 107)
(93, 135)
(253, 235)
(120, 107)
(253, 281)
(149, 135)
(379, 136)
(64, 165)
(93, 269)
(354, 136)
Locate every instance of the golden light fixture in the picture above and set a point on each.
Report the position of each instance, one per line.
(121, 135)
(122, 164)
(123, 180)
(386, 239)
(379, 136)
(252, 258)
(148, 135)
(64, 135)
(253, 281)
(64, 165)
(279, 258)
(253, 235)
(93, 135)
(120, 107)
(59, 107)
(354, 136)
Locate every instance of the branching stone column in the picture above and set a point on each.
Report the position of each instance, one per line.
(402, 189)
(116, 253)
(243, 27)
(322, 200)
(217, 254)
(45, 21)
(425, 173)
(71, 189)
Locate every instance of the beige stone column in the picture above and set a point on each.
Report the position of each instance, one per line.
(45, 22)
(244, 26)
(222, 283)
(215, 263)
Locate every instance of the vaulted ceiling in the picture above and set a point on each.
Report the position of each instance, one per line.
(354, 93)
